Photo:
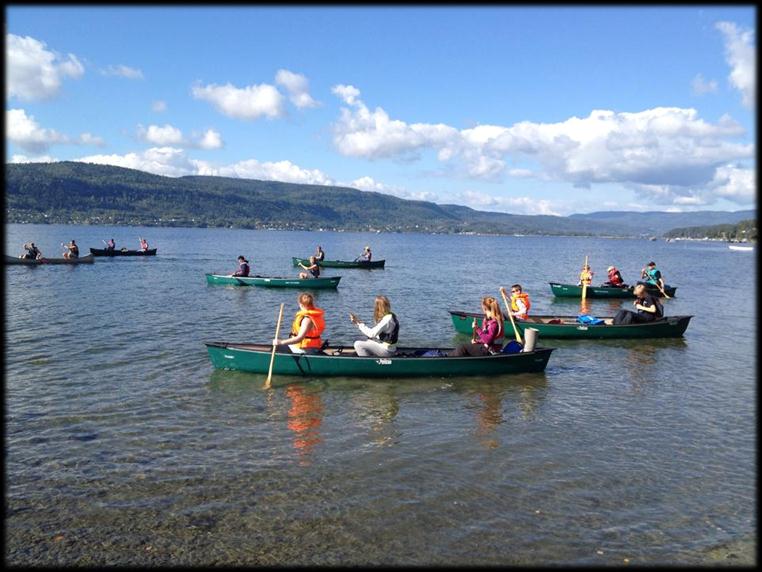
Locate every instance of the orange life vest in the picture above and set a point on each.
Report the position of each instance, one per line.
(317, 320)
(515, 307)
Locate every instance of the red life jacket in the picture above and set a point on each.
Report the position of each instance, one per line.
(614, 277)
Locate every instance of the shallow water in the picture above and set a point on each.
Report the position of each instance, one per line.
(124, 446)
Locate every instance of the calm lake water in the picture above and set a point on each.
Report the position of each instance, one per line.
(124, 446)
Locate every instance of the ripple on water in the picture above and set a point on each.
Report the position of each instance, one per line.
(125, 447)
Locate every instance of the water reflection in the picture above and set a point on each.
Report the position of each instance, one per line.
(524, 398)
(305, 415)
(379, 406)
(642, 361)
(489, 416)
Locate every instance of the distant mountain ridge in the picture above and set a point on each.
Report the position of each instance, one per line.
(658, 223)
(74, 192)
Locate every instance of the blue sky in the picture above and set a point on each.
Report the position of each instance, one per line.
(549, 110)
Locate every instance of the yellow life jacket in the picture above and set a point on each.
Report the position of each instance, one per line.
(515, 307)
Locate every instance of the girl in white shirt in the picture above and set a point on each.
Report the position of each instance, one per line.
(382, 337)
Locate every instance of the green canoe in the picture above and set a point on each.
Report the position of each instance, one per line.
(568, 327)
(340, 361)
(340, 263)
(307, 283)
(43, 261)
(574, 291)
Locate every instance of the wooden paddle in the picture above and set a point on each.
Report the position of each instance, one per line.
(272, 356)
(662, 289)
(584, 282)
(510, 315)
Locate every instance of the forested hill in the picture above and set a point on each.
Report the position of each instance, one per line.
(744, 231)
(74, 192)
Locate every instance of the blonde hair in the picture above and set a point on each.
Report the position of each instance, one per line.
(307, 300)
(381, 308)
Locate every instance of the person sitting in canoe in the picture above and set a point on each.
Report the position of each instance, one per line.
(615, 278)
(72, 250)
(110, 245)
(488, 338)
(382, 337)
(648, 308)
(652, 275)
(243, 267)
(313, 270)
(319, 254)
(308, 324)
(520, 303)
(32, 252)
(365, 256)
(143, 244)
(586, 276)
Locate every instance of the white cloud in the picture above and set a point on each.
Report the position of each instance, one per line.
(34, 72)
(211, 139)
(740, 54)
(661, 147)
(373, 134)
(160, 135)
(122, 71)
(159, 106)
(168, 135)
(250, 102)
(36, 159)
(369, 184)
(166, 161)
(297, 86)
(730, 182)
(514, 205)
(285, 171)
(736, 184)
(174, 162)
(700, 86)
(348, 93)
(90, 139)
(22, 130)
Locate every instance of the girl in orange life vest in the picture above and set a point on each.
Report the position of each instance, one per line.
(313, 269)
(489, 338)
(586, 276)
(520, 303)
(308, 324)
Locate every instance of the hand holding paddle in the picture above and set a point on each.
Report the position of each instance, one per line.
(272, 356)
(510, 315)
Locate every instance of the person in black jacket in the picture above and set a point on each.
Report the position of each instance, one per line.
(648, 308)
